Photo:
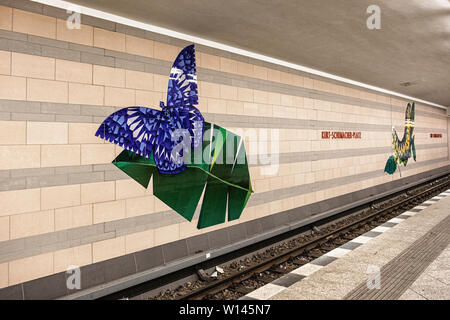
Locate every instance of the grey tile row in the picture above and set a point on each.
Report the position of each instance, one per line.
(97, 274)
(18, 179)
(15, 110)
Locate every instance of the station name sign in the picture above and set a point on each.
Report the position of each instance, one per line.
(341, 135)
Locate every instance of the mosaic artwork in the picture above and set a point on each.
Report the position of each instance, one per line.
(403, 149)
(187, 157)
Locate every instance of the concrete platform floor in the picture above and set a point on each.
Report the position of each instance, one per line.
(408, 257)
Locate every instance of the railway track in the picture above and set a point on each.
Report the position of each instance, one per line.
(233, 282)
(250, 268)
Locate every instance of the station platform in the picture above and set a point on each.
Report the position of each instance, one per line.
(406, 258)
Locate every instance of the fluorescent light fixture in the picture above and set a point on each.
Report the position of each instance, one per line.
(145, 26)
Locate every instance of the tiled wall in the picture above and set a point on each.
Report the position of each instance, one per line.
(61, 201)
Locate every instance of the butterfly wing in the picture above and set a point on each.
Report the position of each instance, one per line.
(133, 128)
(182, 89)
(179, 114)
(171, 145)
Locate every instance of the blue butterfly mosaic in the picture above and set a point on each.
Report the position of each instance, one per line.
(145, 131)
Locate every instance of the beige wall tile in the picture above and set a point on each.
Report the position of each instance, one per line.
(273, 75)
(5, 18)
(60, 197)
(5, 61)
(209, 90)
(286, 78)
(47, 133)
(73, 217)
(209, 61)
(217, 106)
(260, 72)
(139, 46)
(13, 88)
(260, 96)
(12, 132)
(448, 138)
(97, 153)
(139, 241)
(298, 80)
(128, 188)
(47, 90)
(83, 133)
(250, 109)
(119, 97)
(308, 83)
(140, 206)
(245, 69)
(60, 155)
(235, 107)
(189, 229)
(73, 71)
(167, 234)
(4, 228)
(26, 65)
(97, 192)
(165, 51)
(150, 99)
(109, 40)
(86, 94)
(84, 35)
(139, 80)
(76, 256)
(32, 23)
(245, 94)
(286, 100)
(228, 65)
(202, 104)
(228, 92)
(20, 201)
(107, 76)
(160, 206)
(17, 157)
(108, 249)
(160, 83)
(274, 98)
(30, 268)
(4, 276)
(30, 224)
(109, 211)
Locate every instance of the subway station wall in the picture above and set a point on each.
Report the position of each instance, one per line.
(63, 203)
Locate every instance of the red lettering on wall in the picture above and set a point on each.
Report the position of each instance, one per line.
(341, 135)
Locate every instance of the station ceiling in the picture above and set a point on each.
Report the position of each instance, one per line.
(410, 54)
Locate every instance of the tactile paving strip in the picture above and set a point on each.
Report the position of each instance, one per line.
(271, 289)
(401, 272)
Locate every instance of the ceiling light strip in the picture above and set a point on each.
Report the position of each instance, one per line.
(133, 23)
